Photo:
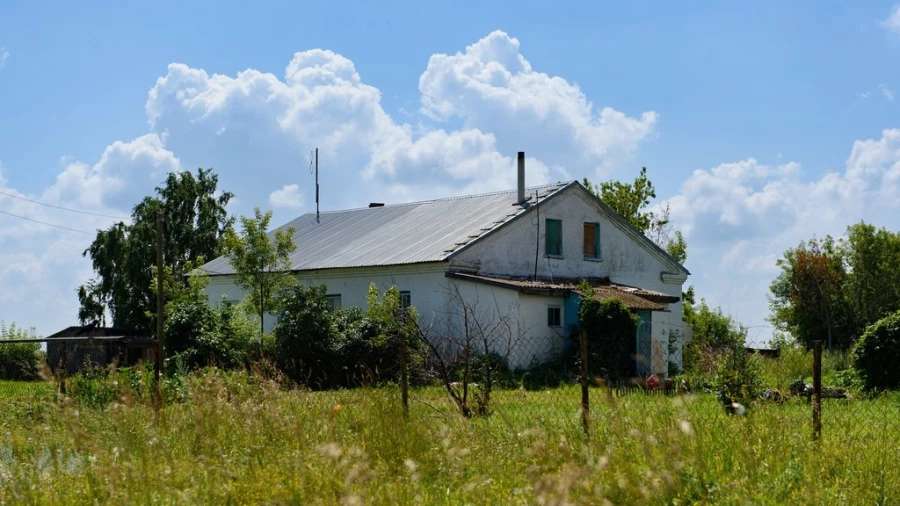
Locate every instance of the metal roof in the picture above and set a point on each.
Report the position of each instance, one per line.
(418, 232)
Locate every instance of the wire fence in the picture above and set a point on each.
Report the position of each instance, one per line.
(518, 387)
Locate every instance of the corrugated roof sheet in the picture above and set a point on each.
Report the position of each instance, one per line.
(428, 231)
(634, 298)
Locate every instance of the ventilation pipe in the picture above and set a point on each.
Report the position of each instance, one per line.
(521, 177)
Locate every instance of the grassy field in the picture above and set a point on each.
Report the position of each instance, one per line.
(234, 440)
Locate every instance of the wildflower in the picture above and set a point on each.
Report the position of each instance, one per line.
(331, 450)
(686, 428)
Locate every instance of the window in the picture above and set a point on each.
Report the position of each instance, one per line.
(553, 236)
(405, 300)
(592, 241)
(554, 316)
(334, 301)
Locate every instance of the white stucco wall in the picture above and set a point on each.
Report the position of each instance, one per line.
(425, 282)
(518, 324)
(511, 252)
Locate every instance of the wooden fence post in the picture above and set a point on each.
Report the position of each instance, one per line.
(585, 394)
(64, 360)
(817, 391)
(160, 311)
(404, 375)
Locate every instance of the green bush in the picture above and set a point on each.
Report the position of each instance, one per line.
(877, 354)
(18, 361)
(96, 387)
(197, 335)
(610, 327)
(305, 341)
(738, 374)
(320, 348)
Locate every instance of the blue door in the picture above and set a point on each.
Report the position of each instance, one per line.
(643, 345)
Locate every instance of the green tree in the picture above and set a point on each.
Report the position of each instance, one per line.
(716, 336)
(834, 290)
(872, 286)
(305, 345)
(877, 353)
(261, 262)
(630, 201)
(197, 334)
(18, 361)
(123, 255)
(807, 298)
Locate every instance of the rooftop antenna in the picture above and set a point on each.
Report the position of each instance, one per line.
(317, 178)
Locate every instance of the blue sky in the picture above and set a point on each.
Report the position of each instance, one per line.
(760, 123)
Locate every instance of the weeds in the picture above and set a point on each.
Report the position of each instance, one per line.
(233, 438)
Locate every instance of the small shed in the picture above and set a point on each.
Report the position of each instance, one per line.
(80, 347)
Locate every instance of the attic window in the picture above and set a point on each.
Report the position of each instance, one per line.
(591, 241)
(553, 238)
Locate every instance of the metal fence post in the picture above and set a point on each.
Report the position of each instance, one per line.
(817, 391)
(585, 394)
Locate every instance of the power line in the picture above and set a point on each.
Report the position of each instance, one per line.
(45, 223)
(62, 208)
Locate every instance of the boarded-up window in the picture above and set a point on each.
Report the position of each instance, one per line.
(553, 237)
(591, 240)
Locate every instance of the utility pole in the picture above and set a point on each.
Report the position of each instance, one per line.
(317, 185)
(160, 309)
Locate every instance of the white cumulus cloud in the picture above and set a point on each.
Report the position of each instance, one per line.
(892, 22)
(493, 87)
(256, 130)
(740, 217)
(288, 196)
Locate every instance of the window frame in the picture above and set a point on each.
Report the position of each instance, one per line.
(547, 253)
(331, 298)
(554, 313)
(408, 296)
(598, 253)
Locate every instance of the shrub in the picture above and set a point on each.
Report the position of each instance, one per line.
(715, 335)
(610, 327)
(18, 361)
(877, 353)
(304, 346)
(738, 374)
(198, 335)
(321, 348)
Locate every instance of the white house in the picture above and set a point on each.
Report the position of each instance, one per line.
(513, 256)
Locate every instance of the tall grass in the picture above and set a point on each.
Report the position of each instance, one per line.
(237, 439)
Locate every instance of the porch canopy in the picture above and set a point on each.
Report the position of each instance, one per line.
(636, 299)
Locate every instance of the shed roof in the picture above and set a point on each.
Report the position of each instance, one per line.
(89, 331)
(418, 232)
